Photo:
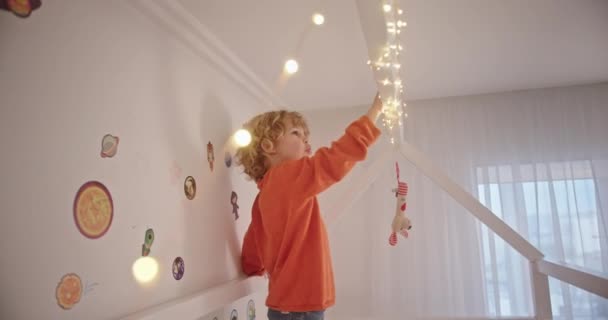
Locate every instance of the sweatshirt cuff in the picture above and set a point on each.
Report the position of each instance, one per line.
(370, 126)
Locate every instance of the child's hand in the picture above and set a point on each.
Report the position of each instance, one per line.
(375, 109)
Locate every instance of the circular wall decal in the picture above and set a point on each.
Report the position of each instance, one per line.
(251, 310)
(21, 8)
(190, 187)
(68, 291)
(93, 209)
(109, 146)
(178, 268)
(228, 159)
(210, 155)
(148, 240)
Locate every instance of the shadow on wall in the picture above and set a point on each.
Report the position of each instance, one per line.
(208, 237)
(222, 250)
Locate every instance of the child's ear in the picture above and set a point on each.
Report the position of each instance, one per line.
(268, 147)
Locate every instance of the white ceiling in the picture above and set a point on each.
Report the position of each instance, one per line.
(453, 48)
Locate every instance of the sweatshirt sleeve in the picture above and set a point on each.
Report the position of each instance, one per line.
(251, 260)
(310, 176)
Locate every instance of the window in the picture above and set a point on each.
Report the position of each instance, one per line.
(554, 206)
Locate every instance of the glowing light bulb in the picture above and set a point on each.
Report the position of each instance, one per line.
(400, 11)
(387, 7)
(242, 138)
(318, 19)
(291, 66)
(145, 269)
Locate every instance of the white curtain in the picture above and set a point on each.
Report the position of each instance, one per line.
(538, 159)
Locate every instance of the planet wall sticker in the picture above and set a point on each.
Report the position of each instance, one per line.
(21, 8)
(68, 291)
(109, 146)
(210, 155)
(234, 198)
(190, 187)
(178, 268)
(93, 209)
(228, 159)
(251, 310)
(148, 240)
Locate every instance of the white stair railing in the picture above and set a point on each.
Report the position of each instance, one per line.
(464, 198)
(539, 281)
(587, 280)
(540, 268)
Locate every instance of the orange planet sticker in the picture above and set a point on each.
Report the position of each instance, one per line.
(93, 210)
(21, 8)
(69, 291)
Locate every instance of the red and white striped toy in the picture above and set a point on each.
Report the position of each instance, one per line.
(401, 223)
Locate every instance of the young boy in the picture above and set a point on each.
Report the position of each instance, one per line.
(287, 238)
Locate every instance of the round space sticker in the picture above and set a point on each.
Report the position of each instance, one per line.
(178, 268)
(190, 187)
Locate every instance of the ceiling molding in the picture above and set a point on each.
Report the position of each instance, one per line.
(173, 17)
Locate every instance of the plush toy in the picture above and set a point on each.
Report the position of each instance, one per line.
(401, 223)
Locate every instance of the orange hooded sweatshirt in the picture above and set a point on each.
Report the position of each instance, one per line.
(287, 236)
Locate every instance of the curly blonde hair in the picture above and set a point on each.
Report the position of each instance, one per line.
(266, 126)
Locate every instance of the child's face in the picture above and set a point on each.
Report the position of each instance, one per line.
(293, 144)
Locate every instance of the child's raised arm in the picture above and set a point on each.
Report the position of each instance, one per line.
(375, 109)
(309, 176)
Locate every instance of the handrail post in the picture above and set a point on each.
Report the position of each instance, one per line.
(540, 293)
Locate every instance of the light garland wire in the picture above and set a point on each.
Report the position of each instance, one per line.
(388, 65)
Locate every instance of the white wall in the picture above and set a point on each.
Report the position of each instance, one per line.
(69, 74)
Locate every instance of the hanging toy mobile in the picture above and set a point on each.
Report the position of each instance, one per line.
(401, 223)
